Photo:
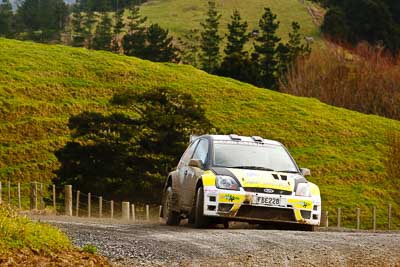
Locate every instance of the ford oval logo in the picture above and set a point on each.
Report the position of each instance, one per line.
(268, 191)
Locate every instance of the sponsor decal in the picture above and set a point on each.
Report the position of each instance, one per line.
(231, 198)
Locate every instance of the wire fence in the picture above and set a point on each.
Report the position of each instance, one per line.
(47, 198)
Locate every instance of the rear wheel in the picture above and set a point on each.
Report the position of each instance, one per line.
(200, 221)
(171, 217)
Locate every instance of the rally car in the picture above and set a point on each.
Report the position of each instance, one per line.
(222, 178)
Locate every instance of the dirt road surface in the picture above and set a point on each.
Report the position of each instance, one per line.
(153, 244)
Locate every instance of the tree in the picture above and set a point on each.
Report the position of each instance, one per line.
(210, 40)
(190, 47)
(78, 38)
(289, 52)
(103, 36)
(236, 61)
(118, 29)
(266, 49)
(123, 157)
(335, 25)
(6, 18)
(134, 40)
(88, 28)
(159, 46)
(42, 19)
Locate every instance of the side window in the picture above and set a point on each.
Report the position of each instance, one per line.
(188, 153)
(201, 151)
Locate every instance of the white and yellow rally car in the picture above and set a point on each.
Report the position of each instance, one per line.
(222, 178)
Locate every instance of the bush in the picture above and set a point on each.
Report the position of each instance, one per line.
(364, 79)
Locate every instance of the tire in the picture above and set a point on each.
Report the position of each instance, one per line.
(200, 221)
(171, 217)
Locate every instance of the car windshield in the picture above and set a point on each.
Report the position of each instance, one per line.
(253, 156)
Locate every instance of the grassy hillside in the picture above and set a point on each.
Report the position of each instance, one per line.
(42, 85)
(27, 243)
(180, 16)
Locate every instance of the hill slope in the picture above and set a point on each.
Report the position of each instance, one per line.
(42, 85)
(180, 16)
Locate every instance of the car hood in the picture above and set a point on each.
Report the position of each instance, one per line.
(261, 179)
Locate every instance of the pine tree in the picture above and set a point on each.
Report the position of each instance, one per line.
(294, 48)
(118, 29)
(6, 17)
(78, 38)
(103, 36)
(88, 28)
(159, 46)
(236, 60)
(190, 47)
(210, 40)
(266, 48)
(134, 41)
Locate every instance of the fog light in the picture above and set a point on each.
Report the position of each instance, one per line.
(306, 214)
(223, 207)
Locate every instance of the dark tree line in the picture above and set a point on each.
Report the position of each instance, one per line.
(374, 21)
(265, 64)
(131, 36)
(105, 5)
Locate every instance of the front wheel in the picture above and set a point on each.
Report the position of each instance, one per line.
(171, 217)
(200, 221)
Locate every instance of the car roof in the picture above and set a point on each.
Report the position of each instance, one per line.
(234, 137)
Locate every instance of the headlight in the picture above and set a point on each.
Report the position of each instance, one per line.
(303, 190)
(226, 182)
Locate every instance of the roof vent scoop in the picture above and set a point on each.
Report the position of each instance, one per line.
(257, 139)
(235, 137)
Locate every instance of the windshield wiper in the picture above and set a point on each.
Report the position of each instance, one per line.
(252, 168)
(288, 171)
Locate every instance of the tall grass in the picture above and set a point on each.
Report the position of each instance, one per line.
(363, 78)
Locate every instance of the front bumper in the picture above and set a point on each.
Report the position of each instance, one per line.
(244, 205)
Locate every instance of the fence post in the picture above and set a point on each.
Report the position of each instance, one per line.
(159, 214)
(125, 210)
(41, 197)
(112, 209)
(390, 216)
(100, 207)
(326, 219)
(54, 199)
(1, 199)
(19, 195)
(147, 213)
(77, 203)
(358, 218)
(89, 204)
(33, 197)
(9, 192)
(68, 200)
(374, 218)
(339, 215)
(133, 213)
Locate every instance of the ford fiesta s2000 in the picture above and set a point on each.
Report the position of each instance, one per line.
(222, 178)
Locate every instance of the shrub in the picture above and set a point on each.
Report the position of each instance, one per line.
(364, 79)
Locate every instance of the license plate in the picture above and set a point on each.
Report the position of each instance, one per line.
(268, 201)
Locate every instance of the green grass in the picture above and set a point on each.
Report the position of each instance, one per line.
(42, 85)
(180, 16)
(18, 233)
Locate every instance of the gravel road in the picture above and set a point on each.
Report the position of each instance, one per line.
(153, 244)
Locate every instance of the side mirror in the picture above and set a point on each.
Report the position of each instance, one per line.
(305, 171)
(196, 163)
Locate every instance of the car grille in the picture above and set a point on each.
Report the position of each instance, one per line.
(271, 191)
(266, 213)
